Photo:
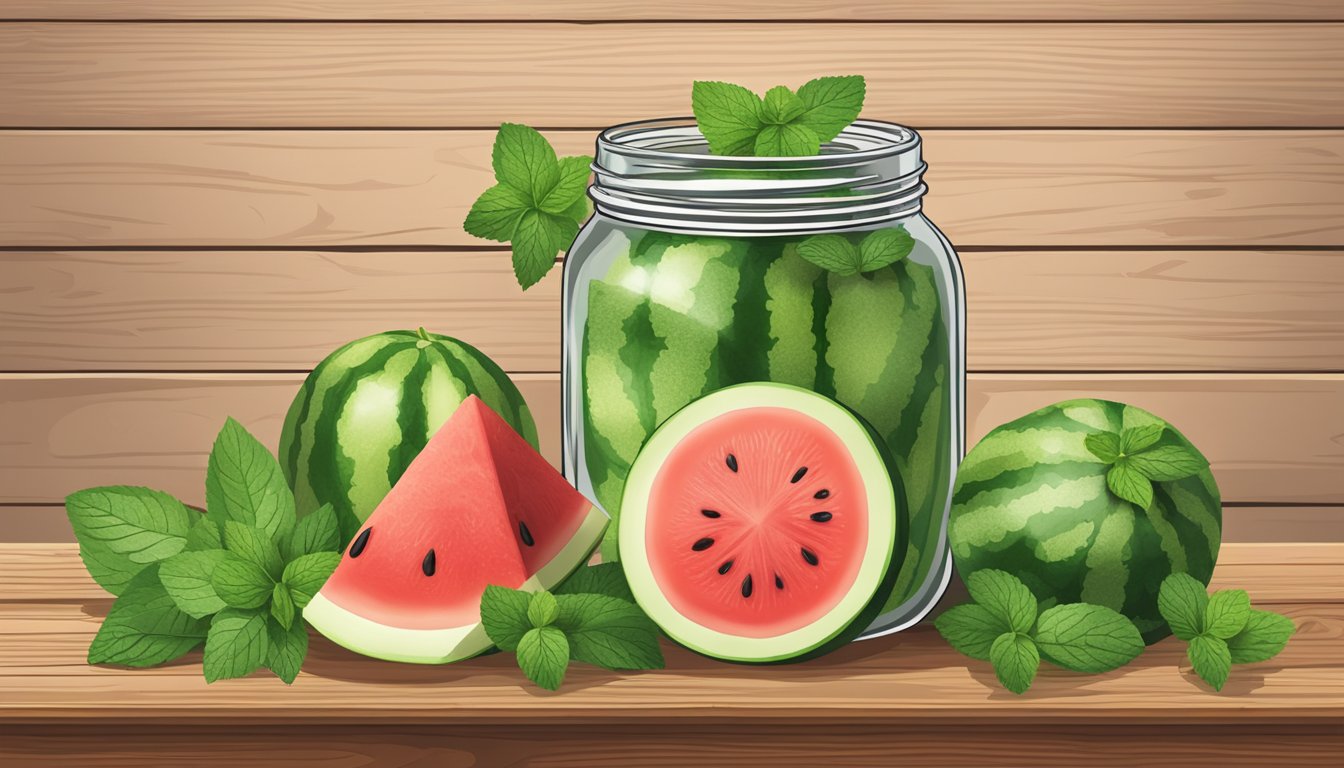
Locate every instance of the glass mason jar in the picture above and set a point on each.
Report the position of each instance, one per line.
(687, 279)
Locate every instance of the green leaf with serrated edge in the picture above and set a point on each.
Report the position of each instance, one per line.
(1168, 462)
(792, 140)
(253, 546)
(539, 239)
(971, 629)
(1266, 634)
(282, 605)
(504, 615)
(1138, 438)
(243, 483)
(241, 583)
(523, 159)
(1087, 638)
(1227, 612)
(781, 106)
(145, 627)
(286, 648)
(833, 253)
(1015, 661)
(884, 248)
(204, 534)
(543, 655)
(123, 529)
(236, 645)
(186, 576)
(728, 116)
(603, 579)
(578, 212)
(496, 213)
(1128, 484)
(571, 184)
(1104, 445)
(1004, 596)
(1182, 601)
(306, 575)
(609, 633)
(317, 531)
(542, 609)
(1211, 659)
(830, 104)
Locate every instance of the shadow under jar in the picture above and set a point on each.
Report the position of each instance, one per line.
(687, 279)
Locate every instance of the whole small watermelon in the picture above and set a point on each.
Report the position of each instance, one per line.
(369, 408)
(1033, 499)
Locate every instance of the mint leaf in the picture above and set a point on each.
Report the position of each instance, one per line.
(1129, 484)
(1015, 661)
(1227, 612)
(790, 140)
(542, 609)
(240, 583)
(609, 633)
(504, 616)
(1138, 438)
(1004, 596)
(1104, 445)
(145, 627)
(1266, 634)
(286, 649)
(523, 159)
(884, 247)
(236, 645)
(243, 483)
(282, 606)
(1211, 659)
(569, 188)
(830, 104)
(971, 629)
(1182, 601)
(833, 253)
(781, 106)
(306, 575)
(186, 577)
(253, 546)
(496, 213)
(728, 116)
(543, 655)
(1087, 638)
(123, 529)
(204, 534)
(540, 237)
(1168, 462)
(603, 579)
(317, 531)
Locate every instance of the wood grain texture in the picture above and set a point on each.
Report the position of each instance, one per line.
(547, 74)
(1271, 438)
(285, 310)
(694, 10)
(397, 188)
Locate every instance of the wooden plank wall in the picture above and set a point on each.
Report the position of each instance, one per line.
(199, 198)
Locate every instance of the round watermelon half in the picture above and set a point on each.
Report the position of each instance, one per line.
(763, 523)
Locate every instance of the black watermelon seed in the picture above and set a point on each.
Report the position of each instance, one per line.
(710, 513)
(779, 583)
(525, 534)
(732, 462)
(726, 567)
(746, 586)
(703, 544)
(361, 541)
(798, 475)
(810, 556)
(823, 493)
(821, 517)
(428, 565)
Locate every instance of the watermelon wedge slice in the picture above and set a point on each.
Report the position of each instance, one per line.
(477, 506)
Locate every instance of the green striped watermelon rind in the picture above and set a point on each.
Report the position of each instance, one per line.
(1032, 500)
(357, 421)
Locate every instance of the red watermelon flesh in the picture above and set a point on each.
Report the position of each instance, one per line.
(478, 506)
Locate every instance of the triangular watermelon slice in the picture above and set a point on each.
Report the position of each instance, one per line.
(478, 506)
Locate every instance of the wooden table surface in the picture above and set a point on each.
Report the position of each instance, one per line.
(908, 697)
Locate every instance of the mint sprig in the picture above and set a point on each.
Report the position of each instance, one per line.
(735, 121)
(537, 203)
(1137, 461)
(838, 254)
(1222, 629)
(234, 578)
